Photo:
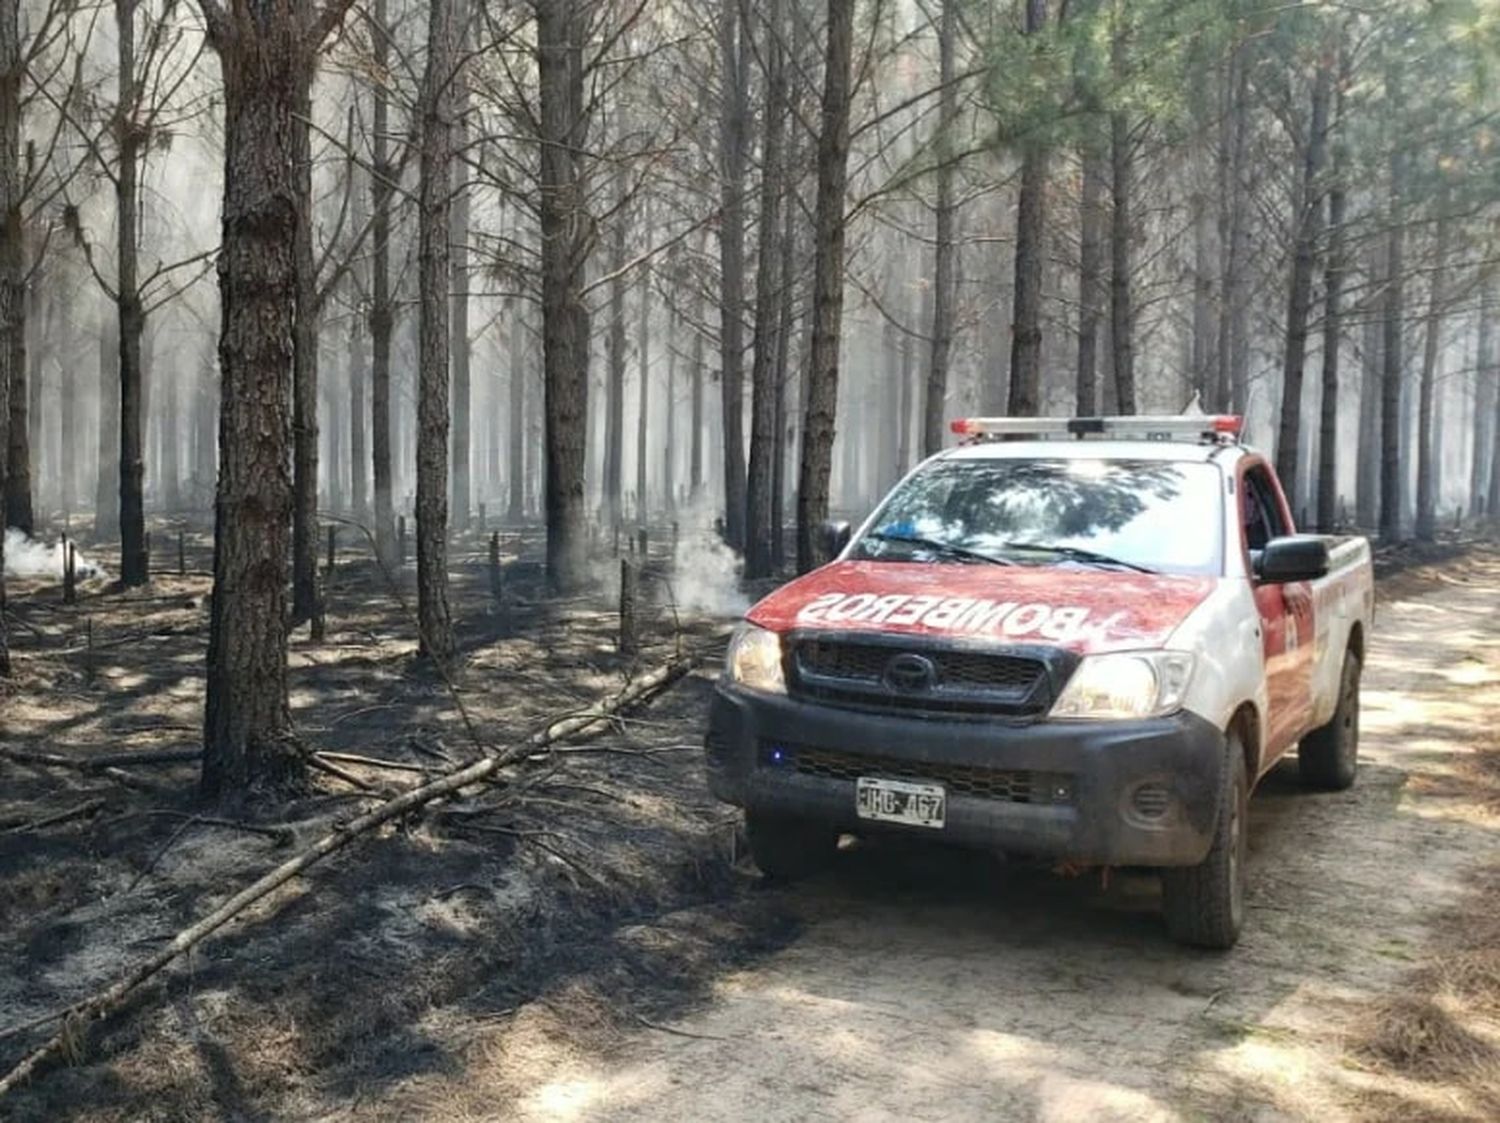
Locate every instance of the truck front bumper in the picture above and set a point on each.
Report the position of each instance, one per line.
(1138, 793)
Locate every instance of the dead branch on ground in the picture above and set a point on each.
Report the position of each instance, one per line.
(108, 1001)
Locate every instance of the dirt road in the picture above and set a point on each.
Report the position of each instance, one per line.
(935, 987)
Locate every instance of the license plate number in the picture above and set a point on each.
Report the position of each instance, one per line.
(900, 801)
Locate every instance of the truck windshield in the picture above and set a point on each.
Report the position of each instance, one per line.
(1152, 515)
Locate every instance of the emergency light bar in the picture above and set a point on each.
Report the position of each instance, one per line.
(1220, 428)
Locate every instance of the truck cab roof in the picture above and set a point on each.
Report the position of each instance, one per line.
(1092, 449)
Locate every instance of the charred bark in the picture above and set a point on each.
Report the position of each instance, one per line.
(946, 211)
(733, 128)
(266, 56)
(828, 288)
(1031, 217)
(434, 263)
(382, 306)
(561, 28)
(459, 350)
(759, 491)
(1427, 468)
(305, 590)
(1392, 353)
(1308, 212)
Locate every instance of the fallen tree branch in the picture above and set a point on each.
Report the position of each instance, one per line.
(77, 764)
(83, 810)
(374, 762)
(106, 1002)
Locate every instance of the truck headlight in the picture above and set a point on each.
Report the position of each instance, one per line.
(754, 660)
(1136, 684)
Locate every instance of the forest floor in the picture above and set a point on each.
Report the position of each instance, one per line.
(596, 947)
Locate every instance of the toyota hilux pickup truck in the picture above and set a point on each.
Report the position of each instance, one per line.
(1080, 640)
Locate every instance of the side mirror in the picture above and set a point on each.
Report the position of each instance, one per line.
(835, 537)
(1297, 557)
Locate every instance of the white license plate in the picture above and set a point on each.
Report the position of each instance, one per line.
(900, 801)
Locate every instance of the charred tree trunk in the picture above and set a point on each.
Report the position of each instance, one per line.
(1367, 502)
(305, 382)
(695, 416)
(828, 288)
(1393, 355)
(382, 306)
(12, 265)
(1026, 330)
(643, 401)
(133, 561)
(359, 495)
(517, 443)
(565, 327)
(733, 127)
(463, 426)
(1486, 403)
(1333, 315)
(1308, 212)
(1090, 280)
(267, 55)
(107, 482)
(943, 250)
(1427, 468)
(435, 188)
(1232, 234)
(759, 491)
(614, 406)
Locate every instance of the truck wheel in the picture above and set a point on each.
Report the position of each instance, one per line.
(1328, 757)
(787, 848)
(1205, 904)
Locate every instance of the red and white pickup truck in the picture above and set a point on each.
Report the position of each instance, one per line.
(1083, 640)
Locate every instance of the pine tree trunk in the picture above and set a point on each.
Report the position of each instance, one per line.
(1427, 467)
(945, 214)
(382, 306)
(1368, 460)
(643, 402)
(133, 561)
(669, 445)
(359, 495)
(463, 425)
(205, 436)
(1308, 212)
(1090, 281)
(1333, 314)
(1121, 302)
(759, 506)
(1393, 355)
(517, 443)
(12, 266)
(733, 129)
(107, 480)
(434, 266)
(1486, 403)
(561, 28)
(614, 407)
(267, 62)
(828, 289)
(1490, 372)
(1232, 234)
(305, 383)
(695, 419)
(1026, 330)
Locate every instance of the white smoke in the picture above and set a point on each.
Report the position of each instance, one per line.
(26, 557)
(705, 572)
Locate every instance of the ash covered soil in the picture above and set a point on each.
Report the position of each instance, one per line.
(591, 894)
(583, 945)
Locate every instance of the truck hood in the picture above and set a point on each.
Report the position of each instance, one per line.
(1087, 611)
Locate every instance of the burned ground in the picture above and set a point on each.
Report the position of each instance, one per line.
(597, 883)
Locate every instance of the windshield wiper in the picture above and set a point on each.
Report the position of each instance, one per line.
(942, 547)
(1074, 553)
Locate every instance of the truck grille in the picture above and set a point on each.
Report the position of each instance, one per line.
(905, 677)
(1006, 786)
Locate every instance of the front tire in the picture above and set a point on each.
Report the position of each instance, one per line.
(1328, 757)
(787, 848)
(1204, 904)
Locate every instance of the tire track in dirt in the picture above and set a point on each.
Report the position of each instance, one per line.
(942, 986)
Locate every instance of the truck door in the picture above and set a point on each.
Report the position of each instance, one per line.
(1285, 616)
